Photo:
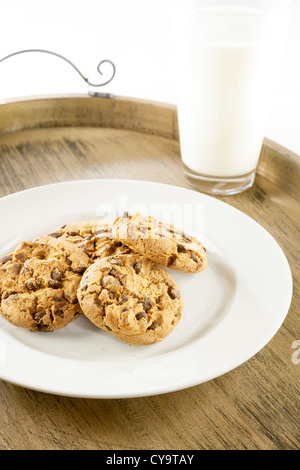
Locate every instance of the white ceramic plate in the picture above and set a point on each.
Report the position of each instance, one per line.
(231, 310)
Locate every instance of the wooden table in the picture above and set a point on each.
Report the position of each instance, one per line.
(255, 406)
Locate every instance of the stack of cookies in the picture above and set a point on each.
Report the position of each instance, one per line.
(113, 273)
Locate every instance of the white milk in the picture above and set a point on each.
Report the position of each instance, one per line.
(225, 88)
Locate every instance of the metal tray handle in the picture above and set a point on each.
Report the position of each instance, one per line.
(90, 84)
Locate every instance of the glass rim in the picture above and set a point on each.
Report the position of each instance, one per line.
(255, 13)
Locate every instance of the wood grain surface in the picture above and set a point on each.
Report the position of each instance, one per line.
(255, 406)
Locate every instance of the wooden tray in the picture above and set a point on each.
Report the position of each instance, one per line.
(47, 140)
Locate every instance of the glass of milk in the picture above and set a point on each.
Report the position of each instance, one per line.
(226, 57)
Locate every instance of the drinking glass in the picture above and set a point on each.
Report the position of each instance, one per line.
(227, 57)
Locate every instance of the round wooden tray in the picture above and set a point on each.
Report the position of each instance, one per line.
(48, 140)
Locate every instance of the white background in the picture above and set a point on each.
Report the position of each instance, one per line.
(134, 34)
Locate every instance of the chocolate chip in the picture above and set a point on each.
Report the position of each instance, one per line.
(147, 304)
(172, 260)
(39, 315)
(60, 304)
(194, 257)
(173, 293)
(5, 259)
(123, 299)
(58, 297)
(98, 302)
(10, 296)
(44, 328)
(33, 284)
(158, 301)
(79, 270)
(82, 247)
(54, 284)
(113, 272)
(56, 234)
(181, 249)
(109, 251)
(153, 326)
(56, 275)
(59, 313)
(110, 283)
(141, 315)
(40, 254)
(21, 256)
(69, 298)
(73, 233)
(16, 268)
(137, 267)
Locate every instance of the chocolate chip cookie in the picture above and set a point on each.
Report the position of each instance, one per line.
(93, 237)
(160, 242)
(132, 298)
(39, 282)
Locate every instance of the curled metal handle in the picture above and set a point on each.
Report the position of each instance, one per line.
(74, 66)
